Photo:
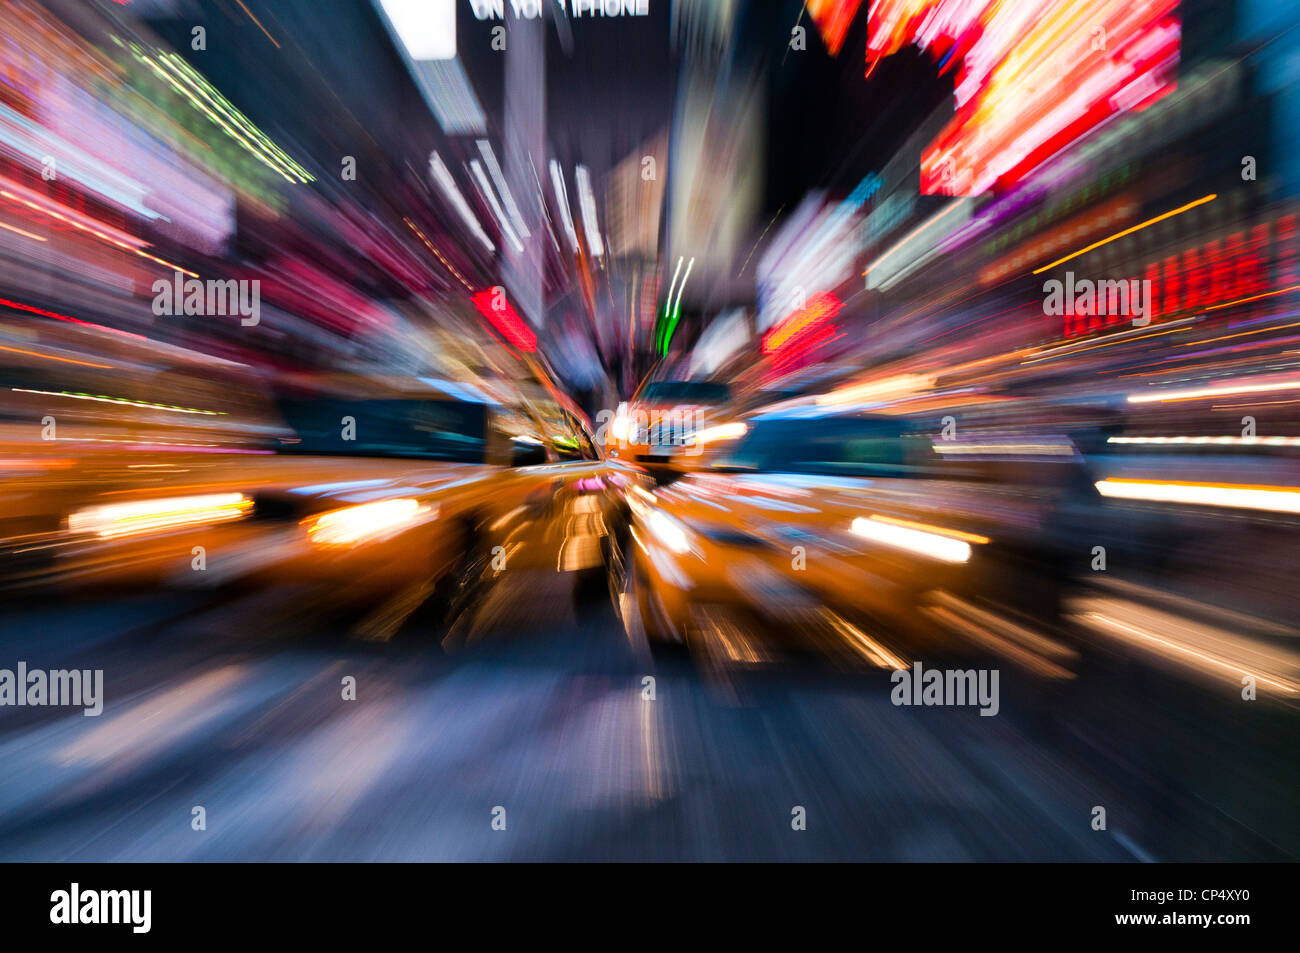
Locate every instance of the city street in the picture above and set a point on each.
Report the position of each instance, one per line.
(236, 706)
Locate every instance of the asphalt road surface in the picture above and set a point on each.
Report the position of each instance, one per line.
(234, 704)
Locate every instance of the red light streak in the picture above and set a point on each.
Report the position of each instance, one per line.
(833, 18)
(803, 332)
(504, 318)
(5, 302)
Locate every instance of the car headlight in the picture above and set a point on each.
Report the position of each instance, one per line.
(937, 542)
(670, 531)
(729, 431)
(621, 427)
(148, 516)
(368, 522)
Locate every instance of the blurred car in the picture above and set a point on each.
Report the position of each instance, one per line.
(416, 493)
(673, 424)
(862, 533)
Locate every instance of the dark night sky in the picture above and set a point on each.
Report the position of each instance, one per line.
(828, 126)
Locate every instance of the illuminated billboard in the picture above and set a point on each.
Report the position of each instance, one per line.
(1030, 77)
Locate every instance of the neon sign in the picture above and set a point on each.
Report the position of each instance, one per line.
(1246, 266)
(803, 333)
(1031, 76)
(492, 304)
